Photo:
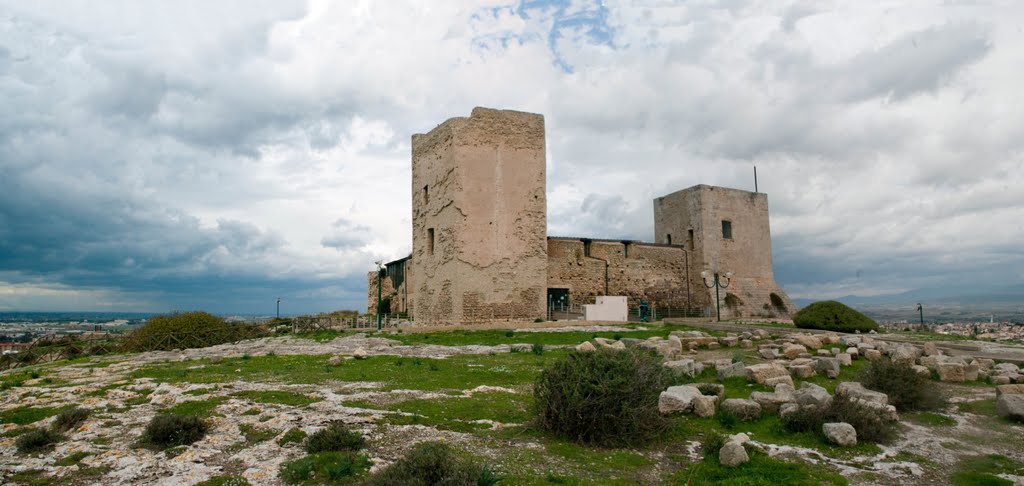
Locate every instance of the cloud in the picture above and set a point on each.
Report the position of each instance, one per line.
(235, 152)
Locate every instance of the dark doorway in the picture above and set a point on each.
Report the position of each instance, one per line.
(558, 298)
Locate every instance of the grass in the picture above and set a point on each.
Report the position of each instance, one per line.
(195, 408)
(458, 413)
(325, 468)
(562, 462)
(493, 337)
(983, 470)
(980, 407)
(254, 435)
(72, 459)
(761, 470)
(276, 396)
(767, 429)
(224, 481)
(395, 372)
(929, 419)
(294, 435)
(28, 415)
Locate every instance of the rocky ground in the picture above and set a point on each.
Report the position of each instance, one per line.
(257, 396)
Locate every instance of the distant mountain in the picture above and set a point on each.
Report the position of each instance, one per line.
(944, 304)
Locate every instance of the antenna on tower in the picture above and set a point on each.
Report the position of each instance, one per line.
(755, 178)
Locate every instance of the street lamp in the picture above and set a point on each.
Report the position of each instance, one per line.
(717, 283)
(380, 278)
(278, 307)
(920, 310)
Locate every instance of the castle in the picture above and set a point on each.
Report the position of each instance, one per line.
(480, 250)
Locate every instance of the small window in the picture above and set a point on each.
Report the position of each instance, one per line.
(669, 238)
(727, 230)
(690, 240)
(430, 240)
(426, 195)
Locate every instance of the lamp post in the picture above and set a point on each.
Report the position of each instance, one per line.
(920, 311)
(278, 307)
(380, 278)
(716, 284)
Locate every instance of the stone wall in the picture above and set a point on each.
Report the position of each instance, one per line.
(387, 290)
(479, 219)
(694, 218)
(656, 273)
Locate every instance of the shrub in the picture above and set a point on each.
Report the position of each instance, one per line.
(808, 419)
(434, 463)
(70, 419)
(37, 440)
(726, 418)
(833, 316)
(907, 389)
(173, 430)
(538, 349)
(870, 425)
(324, 468)
(713, 442)
(181, 330)
(335, 437)
(605, 397)
(510, 333)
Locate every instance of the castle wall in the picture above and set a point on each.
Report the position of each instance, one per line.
(479, 219)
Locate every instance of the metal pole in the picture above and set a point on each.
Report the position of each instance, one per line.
(278, 307)
(718, 304)
(380, 278)
(755, 178)
(920, 310)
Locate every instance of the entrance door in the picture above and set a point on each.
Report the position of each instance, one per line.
(558, 299)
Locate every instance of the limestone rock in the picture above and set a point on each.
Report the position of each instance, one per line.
(733, 370)
(922, 370)
(840, 433)
(732, 454)
(930, 349)
(712, 389)
(872, 354)
(743, 409)
(759, 373)
(1010, 406)
(704, 406)
(802, 371)
(827, 366)
(336, 360)
(905, 355)
(770, 402)
(853, 389)
(729, 341)
(792, 351)
(586, 347)
(807, 341)
(853, 352)
(768, 353)
(677, 399)
(687, 367)
(778, 380)
(844, 359)
(999, 380)
(951, 372)
(360, 353)
(810, 394)
(746, 344)
(1009, 390)
(971, 372)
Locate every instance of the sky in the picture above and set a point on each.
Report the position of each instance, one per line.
(219, 155)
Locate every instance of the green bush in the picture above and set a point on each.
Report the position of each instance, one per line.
(713, 443)
(907, 390)
(605, 397)
(37, 440)
(537, 349)
(434, 463)
(833, 316)
(173, 430)
(325, 468)
(70, 419)
(181, 330)
(870, 425)
(336, 437)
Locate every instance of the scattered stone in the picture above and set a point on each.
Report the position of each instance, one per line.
(712, 389)
(853, 389)
(586, 347)
(971, 372)
(1009, 390)
(951, 372)
(778, 380)
(768, 353)
(807, 341)
(336, 360)
(732, 454)
(743, 409)
(771, 402)
(729, 341)
(1010, 406)
(802, 371)
(792, 351)
(828, 366)
(360, 353)
(704, 406)
(872, 354)
(687, 367)
(824, 352)
(930, 349)
(840, 433)
(713, 346)
(844, 359)
(922, 370)
(733, 370)
(905, 355)
(999, 380)
(746, 344)
(677, 399)
(810, 394)
(853, 352)
(759, 373)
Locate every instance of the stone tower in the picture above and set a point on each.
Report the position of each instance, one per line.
(726, 230)
(479, 247)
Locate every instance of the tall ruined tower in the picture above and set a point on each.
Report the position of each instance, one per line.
(479, 219)
(727, 231)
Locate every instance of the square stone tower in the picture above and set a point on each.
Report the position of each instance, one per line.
(726, 230)
(479, 218)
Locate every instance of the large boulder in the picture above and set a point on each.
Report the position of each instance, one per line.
(1010, 406)
(770, 402)
(687, 367)
(840, 433)
(905, 355)
(853, 389)
(760, 373)
(586, 347)
(1009, 390)
(872, 354)
(733, 370)
(743, 409)
(704, 406)
(827, 366)
(677, 399)
(807, 341)
(793, 351)
(732, 454)
(931, 349)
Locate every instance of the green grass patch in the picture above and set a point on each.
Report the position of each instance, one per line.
(72, 459)
(195, 408)
(458, 413)
(395, 372)
(16, 432)
(30, 477)
(224, 481)
(294, 435)
(276, 396)
(929, 419)
(325, 468)
(255, 435)
(28, 415)
(493, 337)
(980, 407)
(983, 470)
(769, 429)
(562, 462)
(761, 470)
